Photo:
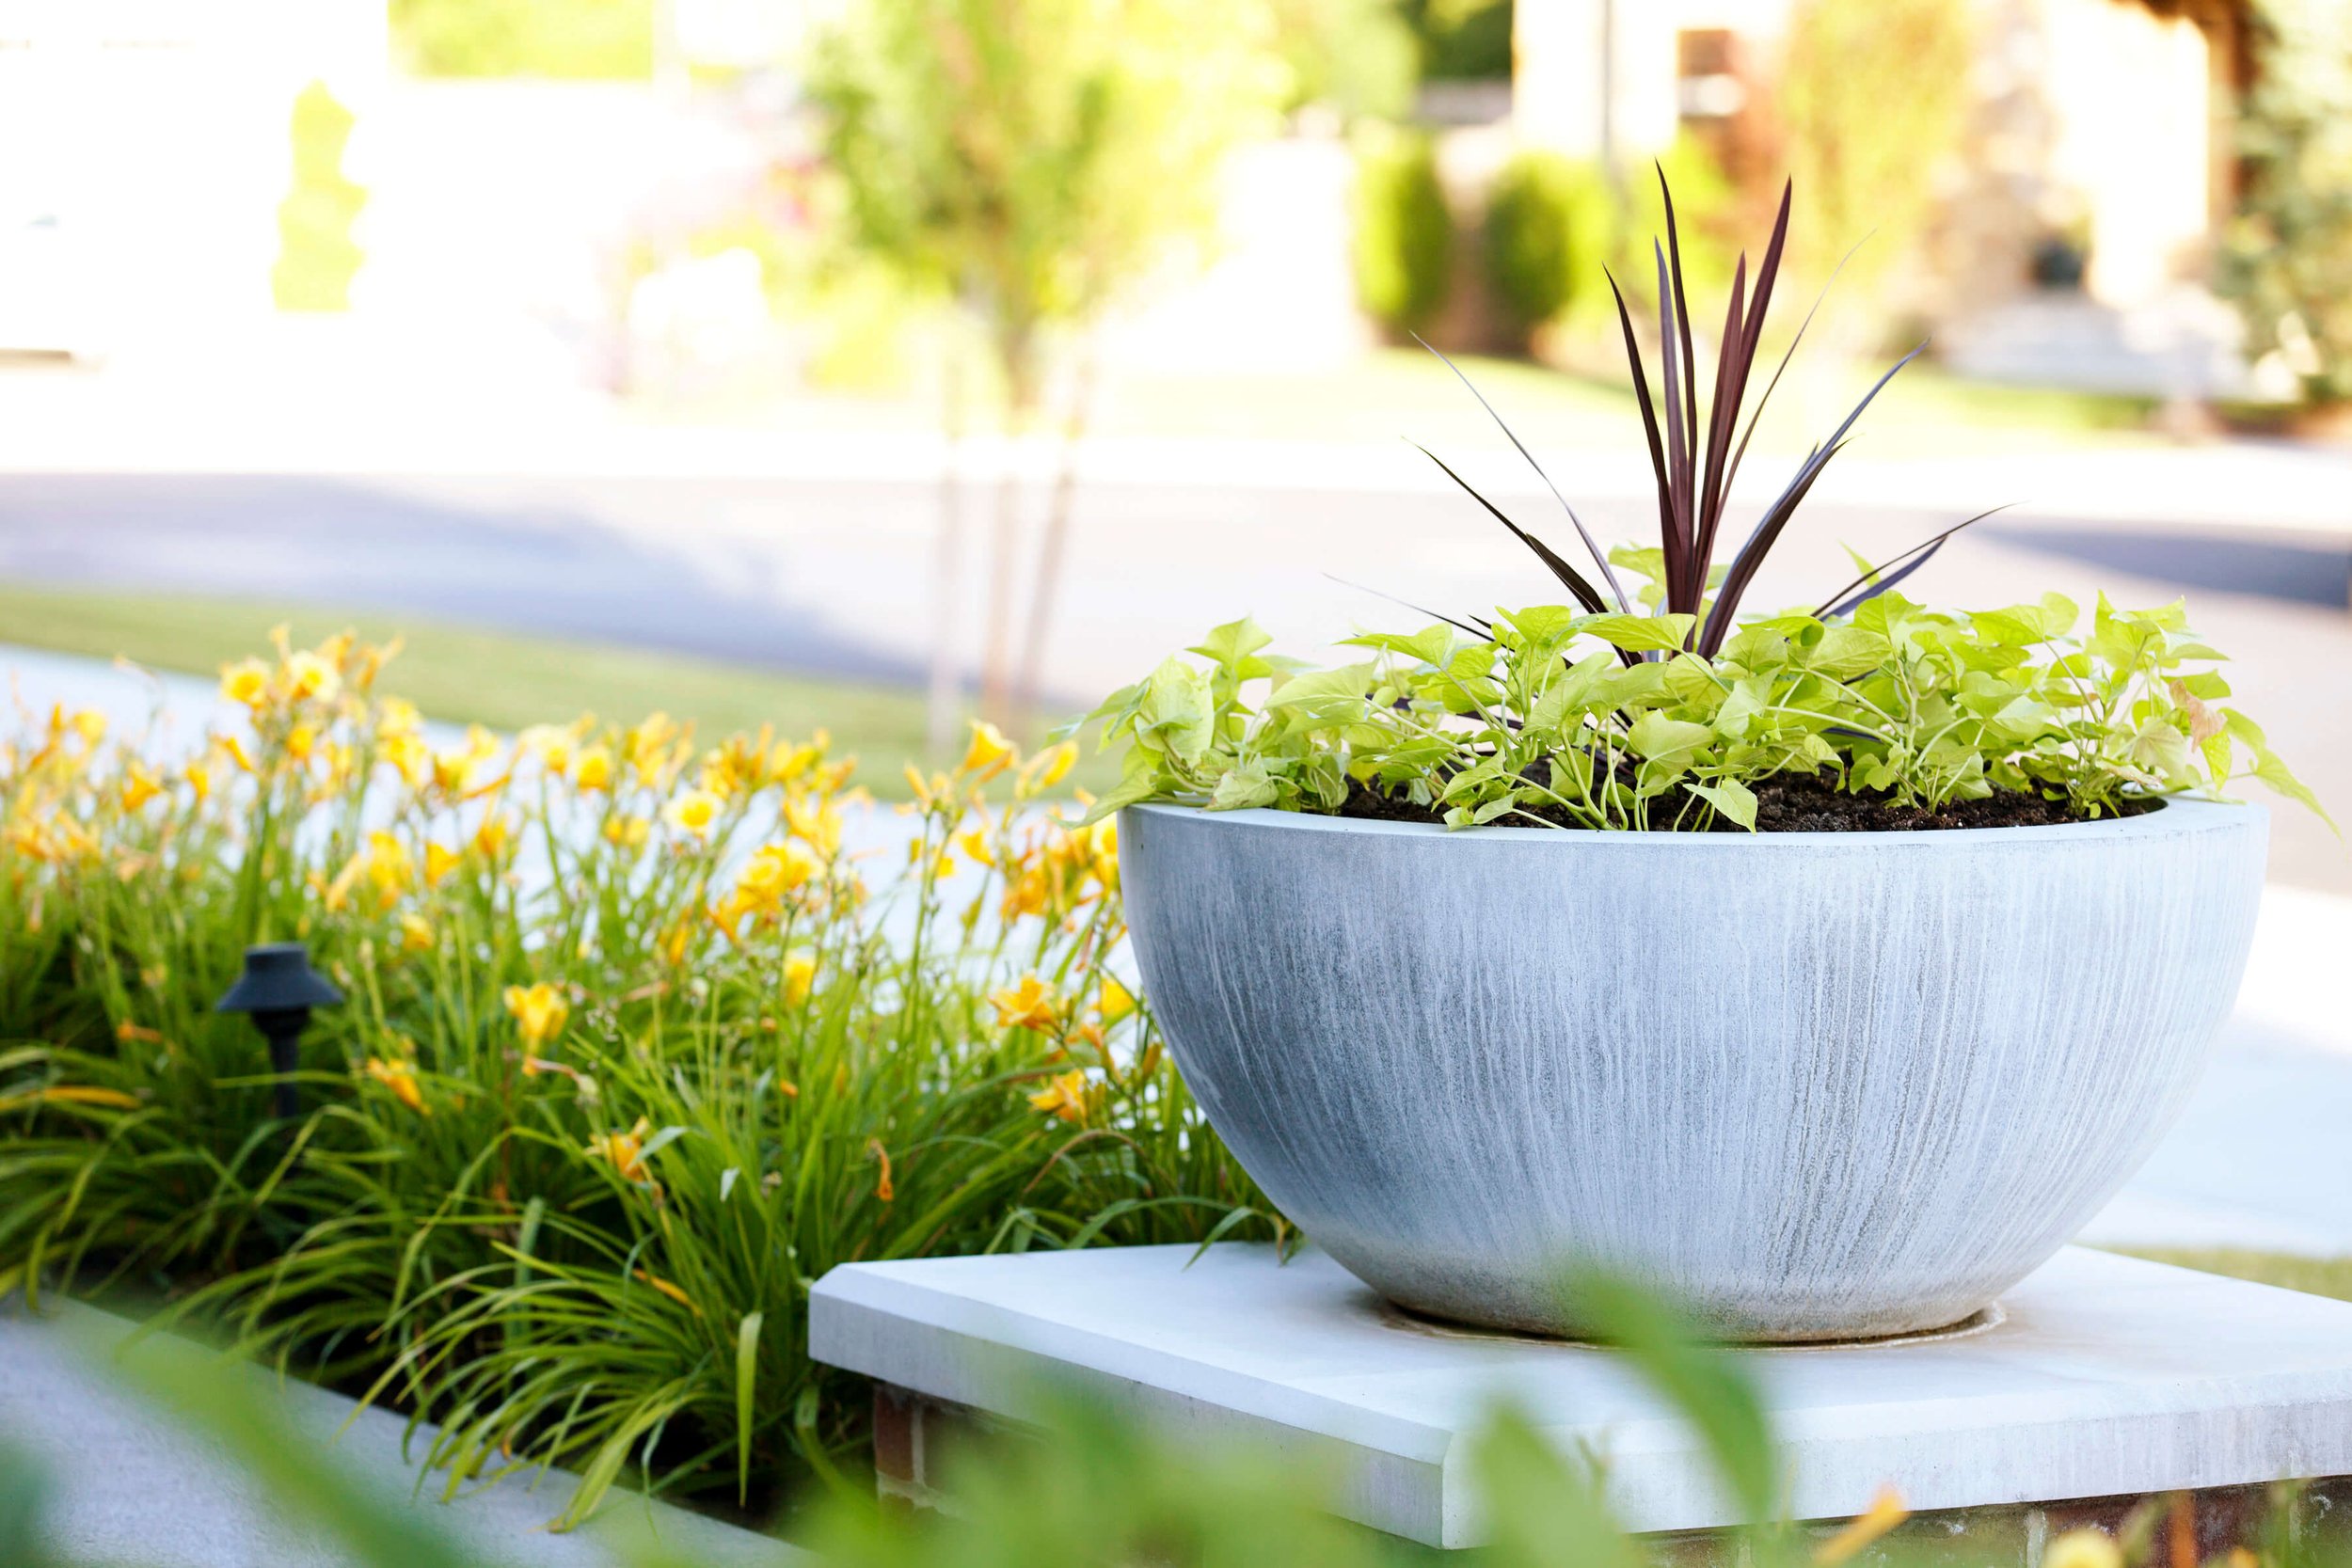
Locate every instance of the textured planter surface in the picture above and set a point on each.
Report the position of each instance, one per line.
(1822, 1085)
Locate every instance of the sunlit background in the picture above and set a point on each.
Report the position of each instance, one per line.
(864, 362)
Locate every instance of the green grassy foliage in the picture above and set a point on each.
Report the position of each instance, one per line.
(635, 1049)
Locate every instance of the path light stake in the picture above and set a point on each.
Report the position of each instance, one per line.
(279, 987)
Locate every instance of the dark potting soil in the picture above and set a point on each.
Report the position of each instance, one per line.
(1797, 804)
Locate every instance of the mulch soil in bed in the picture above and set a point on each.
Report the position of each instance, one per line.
(1794, 803)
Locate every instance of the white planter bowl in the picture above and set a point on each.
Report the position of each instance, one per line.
(1818, 1086)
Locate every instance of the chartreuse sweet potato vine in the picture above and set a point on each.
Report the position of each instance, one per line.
(1664, 709)
(1543, 723)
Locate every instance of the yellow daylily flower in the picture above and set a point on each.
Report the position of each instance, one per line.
(799, 977)
(1031, 1005)
(1886, 1512)
(1116, 1002)
(815, 823)
(694, 812)
(1065, 1096)
(410, 757)
(540, 1009)
(416, 933)
(245, 681)
(200, 779)
(624, 1151)
(71, 1094)
(988, 754)
(301, 741)
(2083, 1548)
(401, 1079)
(630, 833)
(775, 870)
(138, 787)
(397, 716)
(491, 839)
(669, 1290)
(308, 675)
(593, 768)
(440, 863)
(931, 794)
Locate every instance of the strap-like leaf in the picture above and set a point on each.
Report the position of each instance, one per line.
(1649, 421)
(1601, 559)
(1879, 579)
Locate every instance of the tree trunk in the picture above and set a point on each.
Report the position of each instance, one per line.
(1051, 550)
(943, 703)
(1016, 355)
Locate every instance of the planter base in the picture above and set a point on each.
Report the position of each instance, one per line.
(2107, 1378)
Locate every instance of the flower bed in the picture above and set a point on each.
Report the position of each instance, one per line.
(636, 1048)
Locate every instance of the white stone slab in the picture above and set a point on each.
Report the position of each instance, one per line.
(2107, 1375)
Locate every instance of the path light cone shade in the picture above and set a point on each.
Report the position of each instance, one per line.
(279, 987)
(1819, 1085)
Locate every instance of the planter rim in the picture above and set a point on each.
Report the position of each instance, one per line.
(2178, 816)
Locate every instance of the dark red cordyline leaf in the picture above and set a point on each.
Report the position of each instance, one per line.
(1900, 568)
(1585, 593)
(1694, 474)
(1649, 420)
(1751, 556)
(1599, 557)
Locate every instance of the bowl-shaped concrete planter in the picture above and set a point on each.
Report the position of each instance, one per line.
(1819, 1085)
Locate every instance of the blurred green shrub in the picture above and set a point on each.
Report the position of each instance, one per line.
(1549, 221)
(1553, 223)
(2289, 251)
(570, 39)
(1870, 98)
(1462, 39)
(1404, 238)
(317, 257)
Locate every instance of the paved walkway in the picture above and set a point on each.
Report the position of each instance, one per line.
(127, 1487)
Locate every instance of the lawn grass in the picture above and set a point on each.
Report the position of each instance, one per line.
(464, 674)
(2318, 1277)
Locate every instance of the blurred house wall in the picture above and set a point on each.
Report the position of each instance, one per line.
(2093, 115)
(151, 140)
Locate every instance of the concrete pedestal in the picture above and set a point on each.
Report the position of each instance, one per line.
(2100, 1377)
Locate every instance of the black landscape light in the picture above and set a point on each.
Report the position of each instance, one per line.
(279, 987)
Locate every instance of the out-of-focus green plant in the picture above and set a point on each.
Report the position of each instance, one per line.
(2289, 249)
(1037, 158)
(565, 38)
(1554, 224)
(1462, 39)
(1549, 221)
(1035, 161)
(1871, 97)
(1356, 56)
(1085, 1488)
(637, 1047)
(1403, 246)
(317, 257)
